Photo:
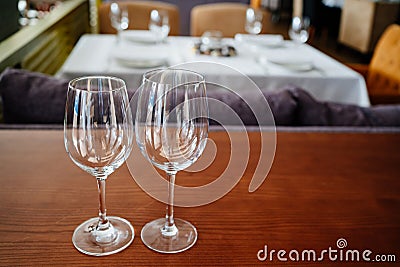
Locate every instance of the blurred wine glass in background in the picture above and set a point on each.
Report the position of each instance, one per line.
(119, 18)
(23, 9)
(299, 30)
(159, 24)
(253, 21)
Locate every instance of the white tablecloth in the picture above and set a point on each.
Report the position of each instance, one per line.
(327, 80)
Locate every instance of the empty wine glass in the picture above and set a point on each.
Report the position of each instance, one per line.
(119, 18)
(253, 21)
(98, 136)
(159, 24)
(171, 131)
(299, 29)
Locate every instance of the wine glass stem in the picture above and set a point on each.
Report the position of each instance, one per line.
(118, 36)
(169, 228)
(101, 184)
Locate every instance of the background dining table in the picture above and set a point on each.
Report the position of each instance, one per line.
(270, 65)
(325, 190)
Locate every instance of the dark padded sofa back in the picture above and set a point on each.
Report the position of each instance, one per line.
(34, 98)
(310, 112)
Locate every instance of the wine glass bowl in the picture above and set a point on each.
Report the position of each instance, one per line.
(299, 29)
(98, 136)
(171, 129)
(253, 23)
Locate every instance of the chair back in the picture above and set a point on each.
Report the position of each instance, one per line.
(139, 15)
(384, 69)
(229, 18)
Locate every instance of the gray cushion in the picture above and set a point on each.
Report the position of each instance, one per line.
(35, 98)
(283, 106)
(281, 103)
(30, 97)
(311, 112)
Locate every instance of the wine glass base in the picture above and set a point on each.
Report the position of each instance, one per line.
(83, 237)
(183, 240)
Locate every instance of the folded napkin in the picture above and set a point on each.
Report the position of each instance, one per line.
(141, 56)
(296, 64)
(271, 40)
(141, 36)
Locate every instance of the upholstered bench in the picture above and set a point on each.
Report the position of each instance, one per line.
(30, 98)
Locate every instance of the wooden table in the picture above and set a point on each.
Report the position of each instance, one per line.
(322, 187)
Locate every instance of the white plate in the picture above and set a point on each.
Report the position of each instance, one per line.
(269, 40)
(294, 64)
(141, 36)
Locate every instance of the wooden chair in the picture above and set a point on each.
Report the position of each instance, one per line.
(382, 75)
(139, 15)
(229, 18)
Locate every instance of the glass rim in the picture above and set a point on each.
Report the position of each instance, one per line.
(97, 77)
(156, 71)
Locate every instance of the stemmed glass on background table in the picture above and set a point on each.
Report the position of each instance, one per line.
(299, 29)
(253, 23)
(98, 136)
(171, 131)
(119, 18)
(159, 23)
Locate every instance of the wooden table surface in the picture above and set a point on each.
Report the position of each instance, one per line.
(322, 187)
